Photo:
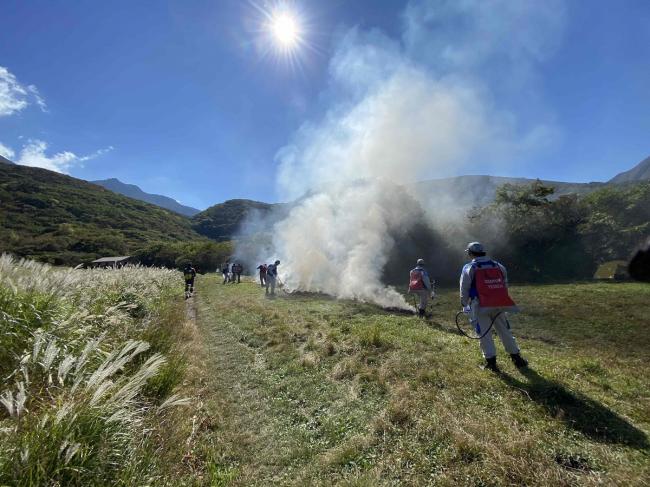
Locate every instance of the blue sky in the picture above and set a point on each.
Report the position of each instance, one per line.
(192, 99)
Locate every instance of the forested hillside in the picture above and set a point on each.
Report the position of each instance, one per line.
(62, 220)
(223, 221)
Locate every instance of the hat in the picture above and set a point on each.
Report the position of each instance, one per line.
(475, 248)
(420, 261)
(277, 262)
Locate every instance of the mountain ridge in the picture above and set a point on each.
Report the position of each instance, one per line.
(483, 188)
(135, 192)
(639, 172)
(479, 190)
(64, 220)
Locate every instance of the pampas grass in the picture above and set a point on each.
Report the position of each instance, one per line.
(74, 368)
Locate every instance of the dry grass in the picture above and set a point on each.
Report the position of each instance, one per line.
(312, 391)
(89, 373)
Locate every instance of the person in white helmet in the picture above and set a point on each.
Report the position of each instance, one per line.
(420, 285)
(484, 295)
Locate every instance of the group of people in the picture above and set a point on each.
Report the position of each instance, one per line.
(232, 272)
(484, 298)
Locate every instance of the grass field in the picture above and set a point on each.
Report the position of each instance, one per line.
(306, 390)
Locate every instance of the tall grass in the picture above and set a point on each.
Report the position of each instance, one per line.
(79, 380)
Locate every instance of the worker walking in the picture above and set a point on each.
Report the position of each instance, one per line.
(271, 277)
(262, 268)
(189, 273)
(224, 272)
(484, 296)
(420, 285)
(237, 269)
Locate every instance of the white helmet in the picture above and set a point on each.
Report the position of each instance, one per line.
(475, 248)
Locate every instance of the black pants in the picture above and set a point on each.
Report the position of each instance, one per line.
(189, 285)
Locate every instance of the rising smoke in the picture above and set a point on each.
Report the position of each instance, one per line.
(401, 111)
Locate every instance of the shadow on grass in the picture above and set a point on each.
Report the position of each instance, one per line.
(577, 411)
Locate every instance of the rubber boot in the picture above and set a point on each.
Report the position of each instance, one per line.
(519, 361)
(421, 313)
(490, 364)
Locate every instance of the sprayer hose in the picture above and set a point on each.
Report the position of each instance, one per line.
(478, 337)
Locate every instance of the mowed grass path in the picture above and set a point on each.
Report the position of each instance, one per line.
(306, 390)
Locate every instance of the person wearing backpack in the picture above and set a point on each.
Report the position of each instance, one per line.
(420, 285)
(271, 277)
(189, 273)
(484, 296)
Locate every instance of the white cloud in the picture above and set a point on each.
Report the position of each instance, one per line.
(34, 154)
(7, 152)
(96, 154)
(40, 101)
(15, 97)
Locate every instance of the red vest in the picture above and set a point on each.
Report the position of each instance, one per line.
(491, 287)
(416, 280)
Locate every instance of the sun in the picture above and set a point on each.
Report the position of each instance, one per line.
(285, 29)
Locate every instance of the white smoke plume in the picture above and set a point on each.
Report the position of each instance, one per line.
(401, 111)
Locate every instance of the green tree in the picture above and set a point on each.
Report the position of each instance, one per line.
(536, 236)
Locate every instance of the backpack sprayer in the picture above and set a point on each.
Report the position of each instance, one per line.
(490, 292)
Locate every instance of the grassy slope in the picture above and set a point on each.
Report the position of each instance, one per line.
(308, 391)
(64, 220)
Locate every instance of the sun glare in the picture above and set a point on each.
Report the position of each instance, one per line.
(283, 32)
(285, 29)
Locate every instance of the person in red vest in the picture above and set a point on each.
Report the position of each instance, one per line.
(420, 284)
(484, 296)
